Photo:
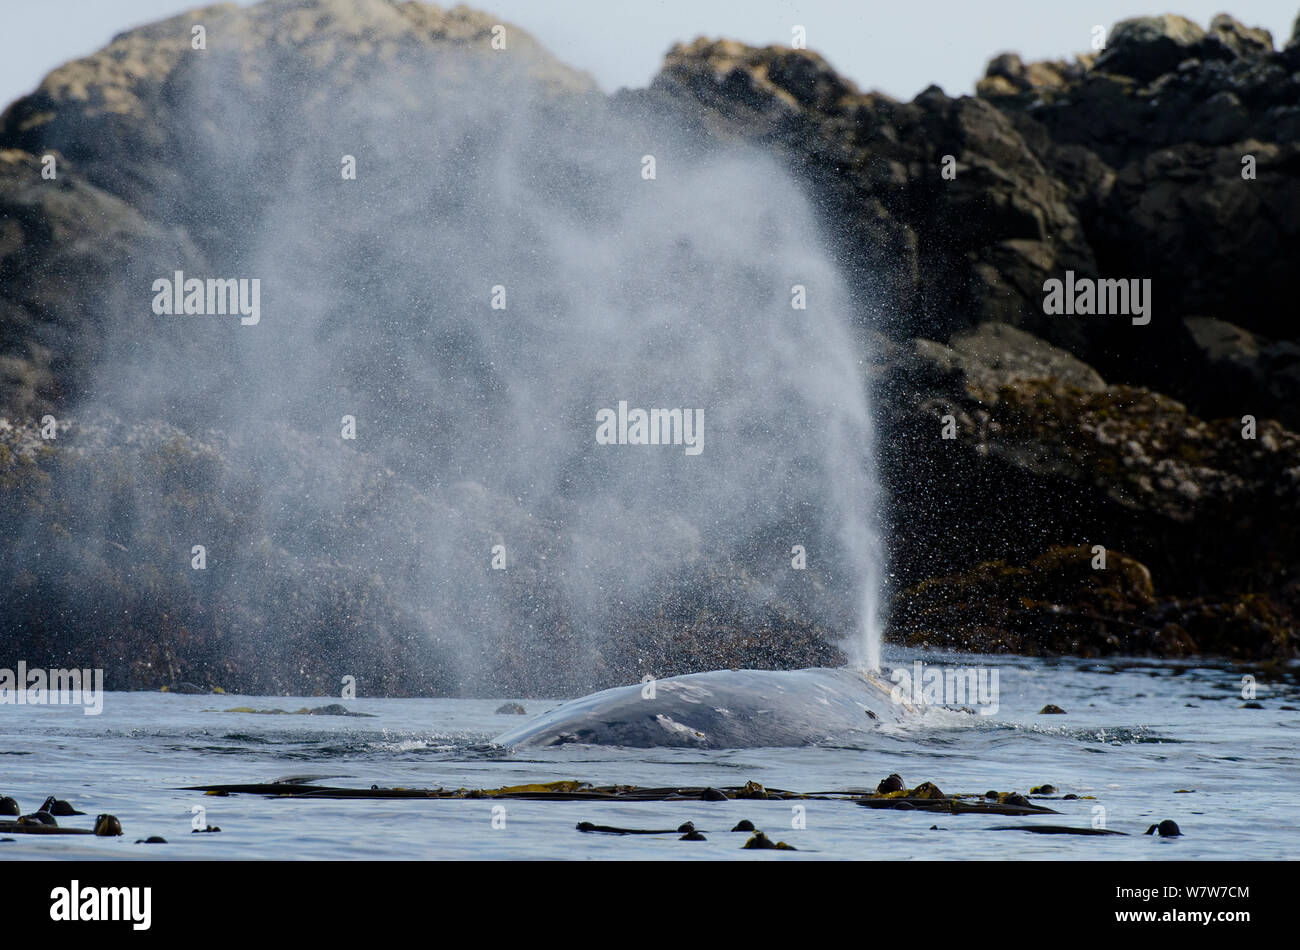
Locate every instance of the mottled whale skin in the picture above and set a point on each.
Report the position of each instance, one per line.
(723, 709)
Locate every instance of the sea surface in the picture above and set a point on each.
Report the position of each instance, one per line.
(1141, 741)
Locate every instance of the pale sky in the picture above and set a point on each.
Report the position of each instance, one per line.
(896, 47)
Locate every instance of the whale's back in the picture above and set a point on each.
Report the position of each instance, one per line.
(721, 709)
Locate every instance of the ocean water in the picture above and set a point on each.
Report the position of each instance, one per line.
(1147, 739)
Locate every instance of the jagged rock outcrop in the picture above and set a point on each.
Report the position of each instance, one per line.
(1100, 461)
(1181, 149)
(116, 110)
(1170, 155)
(930, 254)
(1043, 453)
(136, 129)
(1061, 603)
(1096, 166)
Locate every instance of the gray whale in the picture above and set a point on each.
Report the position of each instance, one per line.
(722, 709)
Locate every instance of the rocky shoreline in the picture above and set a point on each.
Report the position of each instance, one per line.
(1067, 432)
(1128, 163)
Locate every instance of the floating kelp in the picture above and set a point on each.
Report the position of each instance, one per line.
(955, 806)
(683, 829)
(688, 831)
(1056, 830)
(567, 790)
(333, 709)
(927, 796)
(925, 790)
(106, 826)
(15, 828)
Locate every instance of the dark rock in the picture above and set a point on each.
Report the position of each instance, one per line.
(744, 825)
(761, 841)
(713, 795)
(1145, 47)
(922, 248)
(1051, 710)
(891, 783)
(1058, 603)
(50, 237)
(1237, 371)
(1044, 790)
(511, 709)
(1166, 829)
(1235, 40)
(1123, 466)
(333, 709)
(692, 835)
(59, 807)
(1155, 174)
(9, 806)
(1008, 75)
(107, 826)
